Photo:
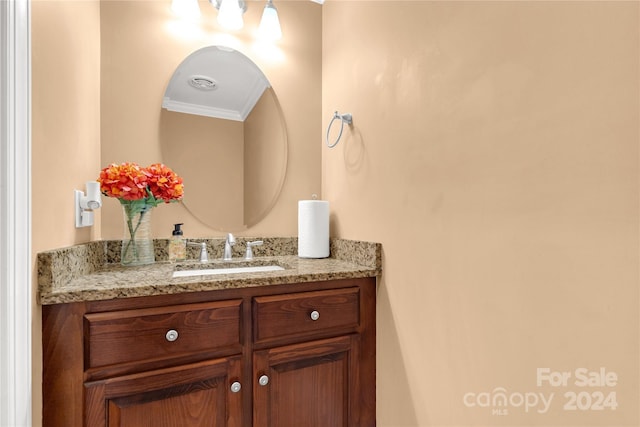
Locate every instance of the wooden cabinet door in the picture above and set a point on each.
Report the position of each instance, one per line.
(195, 395)
(312, 384)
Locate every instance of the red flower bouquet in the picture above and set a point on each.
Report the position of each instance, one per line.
(139, 190)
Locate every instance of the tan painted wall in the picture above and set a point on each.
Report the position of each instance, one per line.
(65, 116)
(494, 153)
(194, 144)
(264, 163)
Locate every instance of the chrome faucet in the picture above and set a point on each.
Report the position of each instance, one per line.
(227, 247)
(204, 256)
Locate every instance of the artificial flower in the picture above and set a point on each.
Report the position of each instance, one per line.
(139, 190)
(164, 183)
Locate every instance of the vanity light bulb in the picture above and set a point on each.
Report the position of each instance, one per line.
(230, 15)
(269, 28)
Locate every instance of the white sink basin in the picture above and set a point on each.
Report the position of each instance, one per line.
(227, 270)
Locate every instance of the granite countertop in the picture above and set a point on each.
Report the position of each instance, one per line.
(92, 271)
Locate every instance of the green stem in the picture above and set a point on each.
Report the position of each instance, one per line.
(131, 244)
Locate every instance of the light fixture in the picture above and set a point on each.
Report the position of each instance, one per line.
(230, 14)
(187, 9)
(269, 28)
(86, 204)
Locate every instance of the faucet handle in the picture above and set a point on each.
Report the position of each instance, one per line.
(250, 245)
(204, 256)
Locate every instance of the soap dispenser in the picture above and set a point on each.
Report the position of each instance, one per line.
(177, 245)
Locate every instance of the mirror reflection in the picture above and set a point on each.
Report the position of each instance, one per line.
(228, 142)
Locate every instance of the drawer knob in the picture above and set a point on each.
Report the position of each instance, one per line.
(235, 387)
(171, 335)
(315, 315)
(263, 380)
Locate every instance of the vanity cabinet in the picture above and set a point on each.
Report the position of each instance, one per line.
(278, 355)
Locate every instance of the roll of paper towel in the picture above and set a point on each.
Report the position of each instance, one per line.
(313, 228)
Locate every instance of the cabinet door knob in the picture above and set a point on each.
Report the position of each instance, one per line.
(263, 380)
(236, 386)
(314, 315)
(171, 335)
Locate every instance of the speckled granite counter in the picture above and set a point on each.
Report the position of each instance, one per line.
(91, 271)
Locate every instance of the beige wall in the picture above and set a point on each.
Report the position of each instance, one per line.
(193, 144)
(65, 116)
(494, 153)
(264, 163)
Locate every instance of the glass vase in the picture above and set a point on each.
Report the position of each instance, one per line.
(137, 243)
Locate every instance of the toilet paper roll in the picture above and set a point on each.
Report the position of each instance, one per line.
(313, 229)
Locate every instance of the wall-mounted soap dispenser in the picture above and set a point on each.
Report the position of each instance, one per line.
(86, 204)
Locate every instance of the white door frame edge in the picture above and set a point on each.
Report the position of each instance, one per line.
(15, 214)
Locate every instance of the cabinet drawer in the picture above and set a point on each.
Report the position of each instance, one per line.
(161, 333)
(306, 313)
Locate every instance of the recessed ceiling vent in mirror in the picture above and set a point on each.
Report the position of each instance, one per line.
(202, 82)
(237, 81)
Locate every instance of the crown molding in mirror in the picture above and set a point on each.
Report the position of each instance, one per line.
(215, 81)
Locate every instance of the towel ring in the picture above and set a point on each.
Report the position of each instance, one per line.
(344, 118)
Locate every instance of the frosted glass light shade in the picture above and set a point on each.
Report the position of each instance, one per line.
(230, 15)
(269, 28)
(187, 9)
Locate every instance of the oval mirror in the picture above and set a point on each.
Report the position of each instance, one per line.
(222, 130)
